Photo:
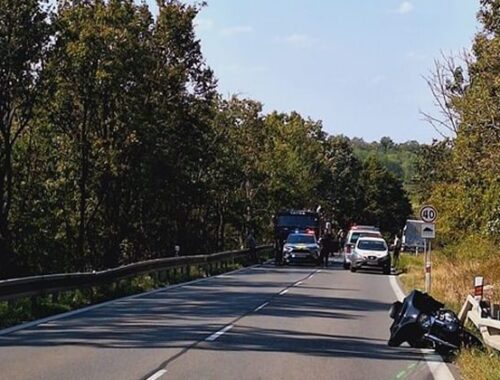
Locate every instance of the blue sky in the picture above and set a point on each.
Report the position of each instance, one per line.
(356, 65)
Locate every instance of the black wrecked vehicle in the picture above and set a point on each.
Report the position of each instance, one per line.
(423, 322)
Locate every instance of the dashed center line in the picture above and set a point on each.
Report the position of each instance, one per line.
(284, 291)
(216, 335)
(157, 375)
(262, 306)
(299, 283)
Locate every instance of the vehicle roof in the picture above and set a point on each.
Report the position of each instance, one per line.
(296, 212)
(300, 234)
(364, 227)
(369, 238)
(362, 231)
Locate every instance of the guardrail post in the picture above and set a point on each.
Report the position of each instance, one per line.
(154, 276)
(34, 304)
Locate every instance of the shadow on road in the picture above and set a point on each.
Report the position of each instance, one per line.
(176, 318)
(244, 338)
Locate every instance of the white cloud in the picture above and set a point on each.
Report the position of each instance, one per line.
(202, 24)
(298, 40)
(405, 7)
(240, 29)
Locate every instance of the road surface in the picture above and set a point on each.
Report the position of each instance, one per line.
(258, 323)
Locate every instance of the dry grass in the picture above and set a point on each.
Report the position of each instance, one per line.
(453, 272)
(476, 365)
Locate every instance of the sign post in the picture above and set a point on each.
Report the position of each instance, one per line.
(478, 287)
(428, 215)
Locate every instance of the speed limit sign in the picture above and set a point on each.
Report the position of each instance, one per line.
(428, 214)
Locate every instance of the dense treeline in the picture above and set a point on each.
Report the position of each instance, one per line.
(461, 174)
(398, 158)
(115, 145)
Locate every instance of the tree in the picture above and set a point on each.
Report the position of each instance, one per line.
(24, 40)
(385, 202)
(469, 98)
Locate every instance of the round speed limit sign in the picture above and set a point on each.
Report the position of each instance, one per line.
(428, 214)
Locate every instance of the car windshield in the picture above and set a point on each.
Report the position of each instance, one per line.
(372, 245)
(356, 235)
(301, 239)
(297, 221)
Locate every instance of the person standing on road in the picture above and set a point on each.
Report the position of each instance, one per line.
(326, 245)
(252, 247)
(341, 239)
(397, 250)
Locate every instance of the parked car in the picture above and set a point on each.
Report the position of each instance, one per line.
(352, 237)
(300, 248)
(371, 252)
(293, 221)
(412, 240)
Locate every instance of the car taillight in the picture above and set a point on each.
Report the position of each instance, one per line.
(310, 231)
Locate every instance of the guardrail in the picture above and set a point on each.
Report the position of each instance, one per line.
(54, 283)
(489, 327)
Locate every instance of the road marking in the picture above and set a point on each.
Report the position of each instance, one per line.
(437, 366)
(284, 291)
(299, 283)
(401, 374)
(262, 306)
(56, 317)
(157, 375)
(310, 276)
(216, 335)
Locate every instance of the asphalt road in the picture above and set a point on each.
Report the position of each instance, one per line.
(258, 323)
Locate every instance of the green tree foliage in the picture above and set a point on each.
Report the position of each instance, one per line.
(385, 202)
(24, 37)
(466, 190)
(116, 145)
(399, 158)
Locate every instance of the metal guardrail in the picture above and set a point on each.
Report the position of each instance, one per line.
(54, 283)
(489, 327)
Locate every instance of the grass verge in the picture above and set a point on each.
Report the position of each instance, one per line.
(453, 271)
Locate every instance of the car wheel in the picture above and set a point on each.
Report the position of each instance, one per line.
(353, 269)
(346, 265)
(387, 270)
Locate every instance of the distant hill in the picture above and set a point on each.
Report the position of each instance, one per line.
(399, 159)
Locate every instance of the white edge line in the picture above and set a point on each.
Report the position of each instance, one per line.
(437, 366)
(216, 335)
(157, 375)
(262, 306)
(82, 310)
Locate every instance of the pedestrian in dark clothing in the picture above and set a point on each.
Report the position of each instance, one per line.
(327, 242)
(252, 247)
(341, 239)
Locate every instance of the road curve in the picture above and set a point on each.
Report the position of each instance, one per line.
(258, 323)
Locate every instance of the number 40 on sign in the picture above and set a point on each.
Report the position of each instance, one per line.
(428, 214)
